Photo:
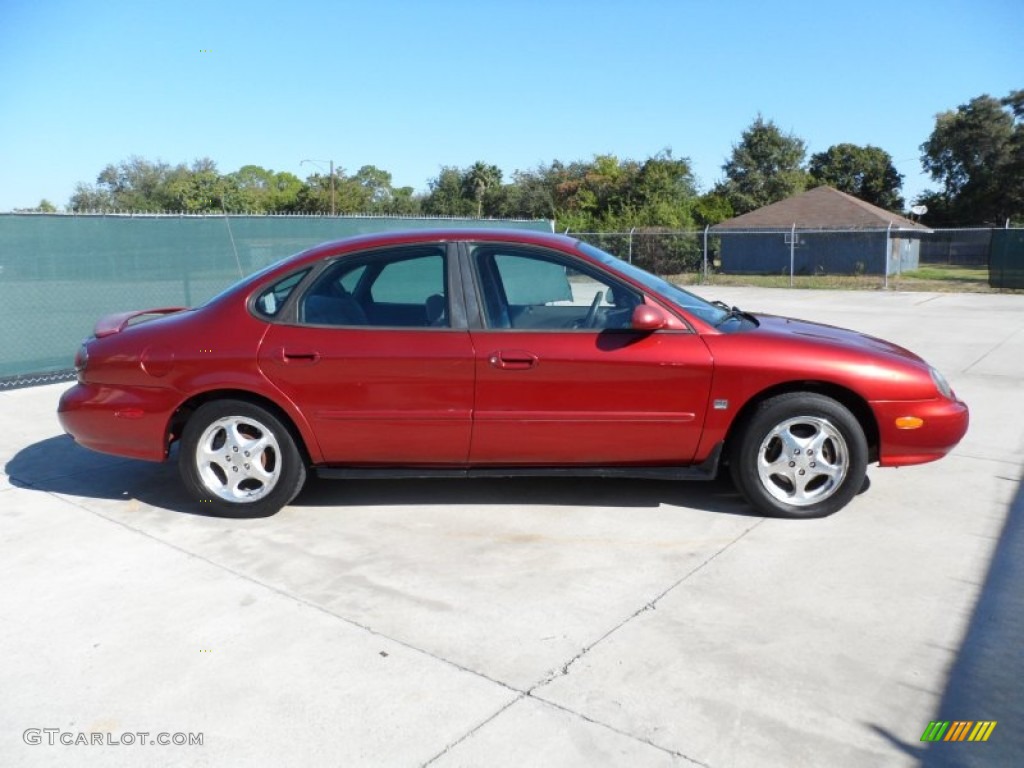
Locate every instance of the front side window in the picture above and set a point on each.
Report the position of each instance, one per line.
(705, 310)
(396, 288)
(527, 289)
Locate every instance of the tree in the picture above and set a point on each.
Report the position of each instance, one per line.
(136, 184)
(977, 153)
(765, 167)
(199, 189)
(710, 209)
(478, 180)
(447, 196)
(89, 197)
(1014, 168)
(314, 196)
(529, 196)
(663, 192)
(865, 172)
(252, 189)
(45, 206)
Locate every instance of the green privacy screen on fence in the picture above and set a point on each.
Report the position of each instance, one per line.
(1006, 260)
(60, 273)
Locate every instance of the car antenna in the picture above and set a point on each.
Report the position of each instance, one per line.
(231, 235)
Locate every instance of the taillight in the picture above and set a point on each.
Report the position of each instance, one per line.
(81, 361)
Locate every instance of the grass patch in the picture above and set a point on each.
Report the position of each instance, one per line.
(938, 278)
(949, 272)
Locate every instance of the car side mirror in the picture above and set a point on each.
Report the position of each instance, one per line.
(647, 318)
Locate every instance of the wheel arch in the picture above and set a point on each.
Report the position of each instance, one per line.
(852, 401)
(184, 412)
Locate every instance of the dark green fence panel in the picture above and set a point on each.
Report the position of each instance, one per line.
(1006, 262)
(60, 273)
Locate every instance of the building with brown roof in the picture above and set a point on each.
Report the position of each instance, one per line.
(822, 231)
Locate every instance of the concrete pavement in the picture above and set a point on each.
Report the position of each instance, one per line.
(525, 622)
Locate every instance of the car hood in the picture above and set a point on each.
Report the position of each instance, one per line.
(831, 335)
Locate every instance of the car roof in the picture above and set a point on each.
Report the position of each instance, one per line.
(413, 236)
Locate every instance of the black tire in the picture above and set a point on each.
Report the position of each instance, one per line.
(771, 466)
(238, 459)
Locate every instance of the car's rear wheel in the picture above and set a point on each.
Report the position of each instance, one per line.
(240, 459)
(799, 455)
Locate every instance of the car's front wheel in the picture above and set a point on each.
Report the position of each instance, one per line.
(240, 459)
(799, 455)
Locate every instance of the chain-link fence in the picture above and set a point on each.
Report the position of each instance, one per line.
(60, 273)
(957, 247)
(851, 258)
(663, 252)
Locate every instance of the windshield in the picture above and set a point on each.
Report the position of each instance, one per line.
(705, 310)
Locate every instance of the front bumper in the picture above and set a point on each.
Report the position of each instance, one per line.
(944, 423)
(123, 422)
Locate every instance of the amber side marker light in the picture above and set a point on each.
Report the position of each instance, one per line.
(909, 422)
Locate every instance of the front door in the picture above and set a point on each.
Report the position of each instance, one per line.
(563, 380)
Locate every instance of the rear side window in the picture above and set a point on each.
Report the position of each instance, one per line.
(410, 281)
(270, 301)
(402, 287)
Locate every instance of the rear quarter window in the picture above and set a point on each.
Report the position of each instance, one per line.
(269, 302)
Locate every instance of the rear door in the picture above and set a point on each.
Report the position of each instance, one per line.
(375, 361)
(561, 377)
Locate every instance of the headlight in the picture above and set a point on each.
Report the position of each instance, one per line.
(941, 384)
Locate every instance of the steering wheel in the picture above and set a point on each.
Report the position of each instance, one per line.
(591, 318)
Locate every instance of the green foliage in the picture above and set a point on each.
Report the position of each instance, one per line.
(259, 190)
(45, 206)
(600, 195)
(529, 196)
(134, 184)
(765, 167)
(195, 190)
(977, 153)
(865, 172)
(447, 196)
(479, 180)
(88, 197)
(712, 208)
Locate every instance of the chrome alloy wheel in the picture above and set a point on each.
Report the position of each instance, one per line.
(803, 461)
(239, 459)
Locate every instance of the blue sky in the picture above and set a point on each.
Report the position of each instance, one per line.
(411, 86)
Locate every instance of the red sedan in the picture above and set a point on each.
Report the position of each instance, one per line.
(498, 353)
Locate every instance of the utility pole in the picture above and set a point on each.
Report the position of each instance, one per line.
(332, 188)
(315, 162)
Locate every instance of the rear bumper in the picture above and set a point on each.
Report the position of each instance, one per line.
(944, 425)
(123, 422)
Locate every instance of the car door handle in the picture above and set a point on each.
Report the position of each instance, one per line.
(512, 360)
(299, 356)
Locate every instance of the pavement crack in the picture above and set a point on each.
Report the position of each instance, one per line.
(449, 747)
(613, 729)
(991, 350)
(648, 606)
